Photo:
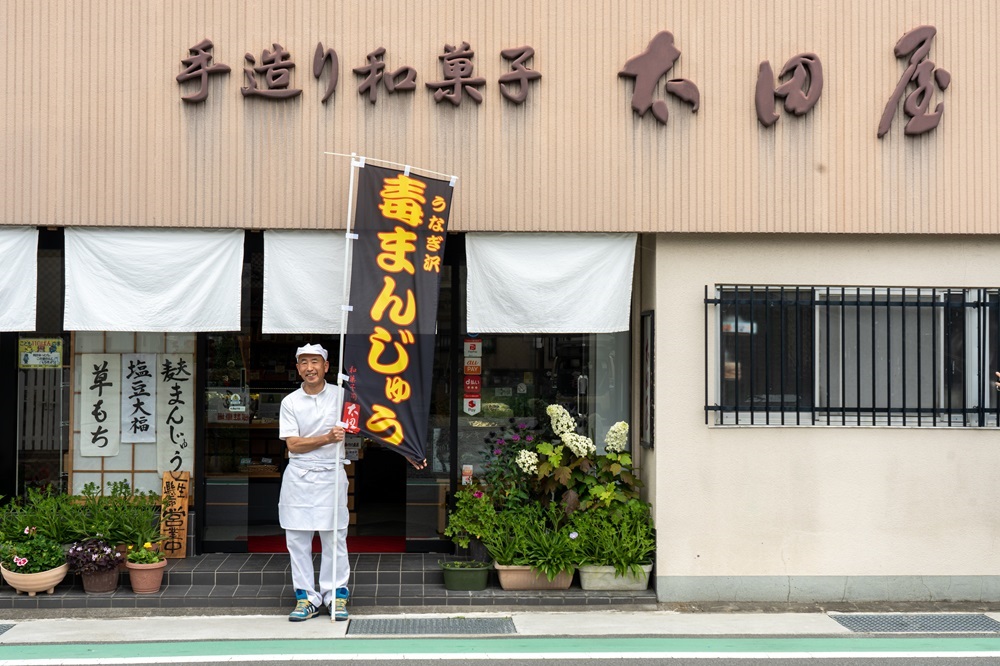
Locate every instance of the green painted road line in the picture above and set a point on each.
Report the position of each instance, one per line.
(511, 645)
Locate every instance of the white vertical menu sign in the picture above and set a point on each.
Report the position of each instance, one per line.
(175, 413)
(100, 404)
(138, 398)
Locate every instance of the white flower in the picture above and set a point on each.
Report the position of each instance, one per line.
(617, 438)
(578, 444)
(560, 419)
(527, 461)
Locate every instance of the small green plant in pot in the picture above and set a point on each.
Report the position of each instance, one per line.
(619, 538)
(465, 575)
(473, 516)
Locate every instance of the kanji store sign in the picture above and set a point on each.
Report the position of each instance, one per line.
(799, 83)
(271, 77)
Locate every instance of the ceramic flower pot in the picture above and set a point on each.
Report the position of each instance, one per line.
(146, 578)
(593, 577)
(100, 582)
(518, 577)
(468, 578)
(32, 583)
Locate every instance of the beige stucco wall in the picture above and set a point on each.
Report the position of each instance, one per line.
(95, 132)
(812, 501)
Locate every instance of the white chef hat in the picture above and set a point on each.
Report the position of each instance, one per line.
(311, 349)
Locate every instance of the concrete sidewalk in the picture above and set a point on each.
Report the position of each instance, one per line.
(583, 623)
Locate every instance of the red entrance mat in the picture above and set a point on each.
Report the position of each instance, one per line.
(275, 543)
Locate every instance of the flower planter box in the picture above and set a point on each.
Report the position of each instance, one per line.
(594, 577)
(33, 583)
(518, 577)
(466, 579)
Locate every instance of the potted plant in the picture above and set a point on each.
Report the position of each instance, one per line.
(33, 564)
(470, 519)
(145, 568)
(97, 564)
(533, 548)
(616, 546)
(465, 575)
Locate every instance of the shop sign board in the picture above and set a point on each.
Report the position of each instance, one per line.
(39, 353)
(175, 413)
(473, 366)
(174, 525)
(473, 348)
(798, 85)
(471, 406)
(473, 386)
(100, 402)
(138, 413)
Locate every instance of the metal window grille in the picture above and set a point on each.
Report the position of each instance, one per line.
(825, 355)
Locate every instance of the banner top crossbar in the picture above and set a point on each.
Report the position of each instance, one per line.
(406, 167)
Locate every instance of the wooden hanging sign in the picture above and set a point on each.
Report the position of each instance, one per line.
(174, 520)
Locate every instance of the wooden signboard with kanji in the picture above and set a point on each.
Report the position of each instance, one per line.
(174, 521)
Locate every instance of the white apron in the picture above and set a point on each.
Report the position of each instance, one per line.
(308, 496)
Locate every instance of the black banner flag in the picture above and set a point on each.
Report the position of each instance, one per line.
(401, 222)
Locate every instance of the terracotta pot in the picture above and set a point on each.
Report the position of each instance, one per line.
(100, 582)
(519, 577)
(146, 578)
(32, 583)
(593, 577)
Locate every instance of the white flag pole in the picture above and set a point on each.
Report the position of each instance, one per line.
(341, 377)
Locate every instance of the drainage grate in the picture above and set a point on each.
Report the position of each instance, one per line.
(898, 622)
(5, 627)
(423, 626)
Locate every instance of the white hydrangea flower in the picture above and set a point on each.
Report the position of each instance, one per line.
(562, 422)
(578, 444)
(527, 461)
(617, 438)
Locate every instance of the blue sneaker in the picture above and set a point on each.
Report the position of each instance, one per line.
(340, 604)
(304, 609)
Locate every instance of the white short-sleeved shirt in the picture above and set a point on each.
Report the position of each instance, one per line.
(305, 415)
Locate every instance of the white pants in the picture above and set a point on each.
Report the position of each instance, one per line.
(299, 544)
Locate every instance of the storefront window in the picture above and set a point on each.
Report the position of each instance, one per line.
(522, 374)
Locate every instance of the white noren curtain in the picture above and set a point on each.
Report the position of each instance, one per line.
(303, 281)
(180, 280)
(19, 278)
(549, 282)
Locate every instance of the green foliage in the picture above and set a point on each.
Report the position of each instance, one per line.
(533, 535)
(118, 515)
(464, 564)
(506, 483)
(32, 554)
(145, 554)
(473, 516)
(45, 511)
(621, 536)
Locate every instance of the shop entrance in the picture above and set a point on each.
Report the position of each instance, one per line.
(244, 376)
(247, 377)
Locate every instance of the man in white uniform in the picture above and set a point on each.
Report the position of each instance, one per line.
(310, 485)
